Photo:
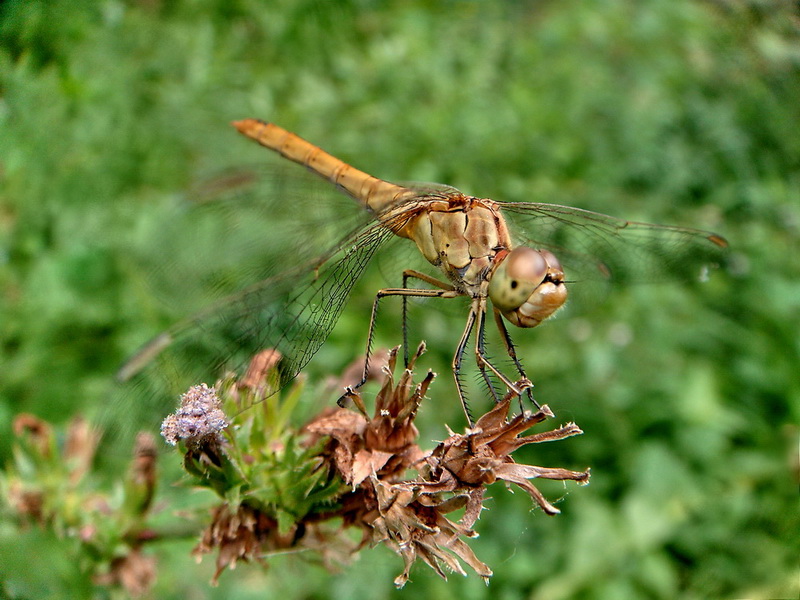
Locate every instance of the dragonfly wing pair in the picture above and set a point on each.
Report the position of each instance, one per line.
(295, 311)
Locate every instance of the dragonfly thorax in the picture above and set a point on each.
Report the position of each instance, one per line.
(461, 235)
(527, 286)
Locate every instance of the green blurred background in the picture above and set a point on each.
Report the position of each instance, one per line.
(669, 111)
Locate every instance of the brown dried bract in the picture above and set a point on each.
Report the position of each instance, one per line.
(135, 572)
(37, 431)
(414, 526)
(482, 455)
(384, 444)
(248, 534)
(260, 366)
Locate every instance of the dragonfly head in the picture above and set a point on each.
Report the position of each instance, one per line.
(527, 286)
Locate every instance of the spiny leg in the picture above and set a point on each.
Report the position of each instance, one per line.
(408, 274)
(371, 330)
(458, 357)
(512, 352)
(479, 307)
(480, 348)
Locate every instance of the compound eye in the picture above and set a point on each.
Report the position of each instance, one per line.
(552, 261)
(527, 265)
(516, 277)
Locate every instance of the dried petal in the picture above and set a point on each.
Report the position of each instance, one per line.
(79, 448)
(260, 366)
(366, 463)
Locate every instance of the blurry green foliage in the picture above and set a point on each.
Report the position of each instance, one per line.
(681, 112)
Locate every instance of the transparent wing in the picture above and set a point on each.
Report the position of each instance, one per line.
(599, 251)
(285, 230)
(610, 248)
(293, 312)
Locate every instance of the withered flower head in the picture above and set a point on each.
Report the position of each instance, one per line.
(384, 443)
(198, 418)
(373, 454)
(135, 572)
(414, 526)
(482, 455)
(395, 493)
(51, 482)
(141, 481)
(237, 535)
(38, 432)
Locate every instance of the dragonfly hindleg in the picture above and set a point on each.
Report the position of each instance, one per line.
(409, 274)
(404, 292)
(458, 357)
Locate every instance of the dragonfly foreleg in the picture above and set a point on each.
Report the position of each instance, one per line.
(512, 353)
(479, 307)
(408, 274)
(405, 292)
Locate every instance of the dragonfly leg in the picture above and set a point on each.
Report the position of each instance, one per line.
(512, 352)
(458, 359)
(480, 348)
(408, 274)
(405, 292)
(479, 307)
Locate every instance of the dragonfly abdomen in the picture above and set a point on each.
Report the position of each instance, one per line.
(376, 194)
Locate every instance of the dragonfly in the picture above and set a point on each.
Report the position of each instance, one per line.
(516, 260)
